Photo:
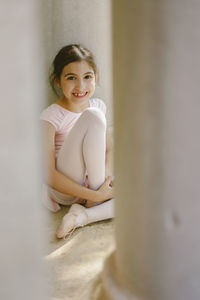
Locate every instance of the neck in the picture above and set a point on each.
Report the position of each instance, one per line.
(74, 107)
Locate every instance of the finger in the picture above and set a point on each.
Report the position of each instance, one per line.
(109, 179)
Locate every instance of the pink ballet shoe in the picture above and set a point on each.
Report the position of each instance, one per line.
(76, 217)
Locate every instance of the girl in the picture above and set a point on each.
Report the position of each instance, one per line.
(77, 148)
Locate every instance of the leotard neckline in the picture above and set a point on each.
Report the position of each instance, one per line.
(65, 109)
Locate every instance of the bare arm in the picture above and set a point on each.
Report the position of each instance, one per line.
(60, 182)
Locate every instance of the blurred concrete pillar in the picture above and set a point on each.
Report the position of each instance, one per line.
(157, 147)
(22, 94)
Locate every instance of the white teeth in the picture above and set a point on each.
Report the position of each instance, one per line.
(79, 95)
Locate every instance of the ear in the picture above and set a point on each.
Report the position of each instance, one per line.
(57, 81)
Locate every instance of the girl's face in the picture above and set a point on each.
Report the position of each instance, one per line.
(77, 82)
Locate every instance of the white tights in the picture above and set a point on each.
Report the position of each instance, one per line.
(84, 150)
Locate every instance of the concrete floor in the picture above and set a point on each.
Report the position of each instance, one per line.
(75, 264)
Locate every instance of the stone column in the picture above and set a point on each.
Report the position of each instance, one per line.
(157, 148)
(22, 275)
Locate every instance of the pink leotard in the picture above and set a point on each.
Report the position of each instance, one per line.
(63, 120)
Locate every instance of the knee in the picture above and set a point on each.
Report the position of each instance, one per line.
(95, 115)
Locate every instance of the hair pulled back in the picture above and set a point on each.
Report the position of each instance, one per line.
(68, 54)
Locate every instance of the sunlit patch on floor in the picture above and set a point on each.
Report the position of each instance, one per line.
(75, 264)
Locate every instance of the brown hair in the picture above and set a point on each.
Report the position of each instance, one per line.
(68, 54)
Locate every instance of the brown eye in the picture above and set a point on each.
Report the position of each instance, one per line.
(71, 78)
(88, 76)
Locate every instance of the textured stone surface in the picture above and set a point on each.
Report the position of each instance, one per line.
(157, 165)
(21, 94)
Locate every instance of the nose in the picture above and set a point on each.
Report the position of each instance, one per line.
(80, 84)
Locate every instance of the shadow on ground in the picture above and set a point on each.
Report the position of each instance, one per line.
(75, 264)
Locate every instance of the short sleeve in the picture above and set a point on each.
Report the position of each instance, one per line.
(96, 102)
(52, 115)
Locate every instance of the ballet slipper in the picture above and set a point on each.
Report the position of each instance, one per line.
(76, 217)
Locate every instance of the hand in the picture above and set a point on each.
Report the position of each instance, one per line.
(112, 180)
(105, 191)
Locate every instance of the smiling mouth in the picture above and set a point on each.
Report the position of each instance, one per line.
(80, 95)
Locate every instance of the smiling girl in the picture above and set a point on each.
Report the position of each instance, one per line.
(77, 147)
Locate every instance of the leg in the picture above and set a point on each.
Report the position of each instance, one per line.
(78, 216)
(48, 201)
(84, 149)
(92, 158)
